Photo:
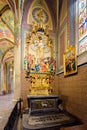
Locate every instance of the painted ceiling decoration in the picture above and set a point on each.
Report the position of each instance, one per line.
(9, 20)
(9, 11)
(4, 46)
(2, 4)
(6, 28)
(8, 55)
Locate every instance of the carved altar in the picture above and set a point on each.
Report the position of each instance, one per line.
(41, 84)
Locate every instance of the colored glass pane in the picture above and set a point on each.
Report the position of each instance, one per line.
(82, 5)
(82, 25)
(82, 17)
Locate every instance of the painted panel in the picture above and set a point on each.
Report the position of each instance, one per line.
(62, 43)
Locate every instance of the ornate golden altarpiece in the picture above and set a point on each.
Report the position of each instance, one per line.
(39, 61)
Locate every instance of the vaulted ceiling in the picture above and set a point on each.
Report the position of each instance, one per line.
(7, 11)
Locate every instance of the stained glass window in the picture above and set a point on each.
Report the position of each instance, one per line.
(82, 25)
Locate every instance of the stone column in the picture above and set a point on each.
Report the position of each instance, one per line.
(17, 48)
(8, 78)
(2, 77)
(17, 61)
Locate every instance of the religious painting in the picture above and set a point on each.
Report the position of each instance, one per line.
(70, 62)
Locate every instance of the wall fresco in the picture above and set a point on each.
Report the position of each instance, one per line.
(33, 13)
(62, 46)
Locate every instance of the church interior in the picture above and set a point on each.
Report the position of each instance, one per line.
(43, 64)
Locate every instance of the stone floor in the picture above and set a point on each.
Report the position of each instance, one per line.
(6, 107)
